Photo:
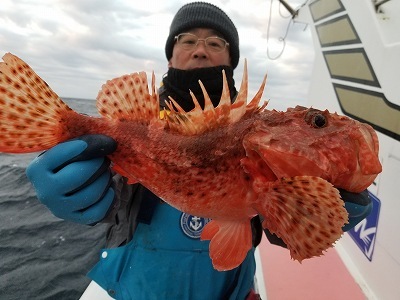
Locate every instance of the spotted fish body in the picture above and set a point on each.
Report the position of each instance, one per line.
(227, 163)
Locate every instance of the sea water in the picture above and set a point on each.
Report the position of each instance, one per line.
(41, 256)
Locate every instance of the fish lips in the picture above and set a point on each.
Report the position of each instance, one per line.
(368, 165)
(369, 150)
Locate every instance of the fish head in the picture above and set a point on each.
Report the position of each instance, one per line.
(307, 141)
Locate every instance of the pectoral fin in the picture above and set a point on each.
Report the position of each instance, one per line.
(305, 212)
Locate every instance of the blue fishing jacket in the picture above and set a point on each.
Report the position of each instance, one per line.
(165, 259)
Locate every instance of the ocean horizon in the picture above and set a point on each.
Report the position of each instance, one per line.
(42, 257)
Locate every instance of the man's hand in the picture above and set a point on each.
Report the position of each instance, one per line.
(73, 178)
(358, 206)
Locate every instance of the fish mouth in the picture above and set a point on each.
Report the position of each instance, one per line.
(368, 164)
(369, 149)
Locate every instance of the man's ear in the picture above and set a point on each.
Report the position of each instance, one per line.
(169, 64)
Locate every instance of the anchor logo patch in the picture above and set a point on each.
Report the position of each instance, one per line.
(192, 226)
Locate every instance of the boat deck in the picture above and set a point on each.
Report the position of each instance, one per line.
(324, 278)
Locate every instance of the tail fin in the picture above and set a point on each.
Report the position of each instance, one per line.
(305, 212)
(30, 112)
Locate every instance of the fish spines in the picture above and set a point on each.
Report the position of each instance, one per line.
(198, 120)
(31, 114)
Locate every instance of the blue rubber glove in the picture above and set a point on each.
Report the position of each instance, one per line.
(73, 178)
(358, 206)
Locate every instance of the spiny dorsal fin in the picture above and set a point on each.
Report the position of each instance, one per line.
(200, 120)
(128, 98)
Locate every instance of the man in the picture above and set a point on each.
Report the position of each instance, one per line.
(154, 250)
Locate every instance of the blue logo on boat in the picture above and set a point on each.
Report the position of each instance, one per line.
(364, 233)
(192, 226)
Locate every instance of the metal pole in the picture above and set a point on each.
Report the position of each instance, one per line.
(380, 3)
(289, 8)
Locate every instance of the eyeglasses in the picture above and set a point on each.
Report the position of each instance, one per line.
(190, 41)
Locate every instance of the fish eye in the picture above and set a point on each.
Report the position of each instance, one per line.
(316, 119)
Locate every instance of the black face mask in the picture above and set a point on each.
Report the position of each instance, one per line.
(178, 82)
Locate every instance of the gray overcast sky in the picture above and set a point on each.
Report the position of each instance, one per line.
(77, 45)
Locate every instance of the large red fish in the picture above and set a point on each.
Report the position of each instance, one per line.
(227, 163)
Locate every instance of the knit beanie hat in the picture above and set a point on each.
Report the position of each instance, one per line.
(205, 15)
